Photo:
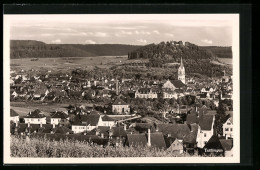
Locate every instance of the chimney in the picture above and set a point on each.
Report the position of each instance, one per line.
(125, 127)
(149, 137)
(169, 135)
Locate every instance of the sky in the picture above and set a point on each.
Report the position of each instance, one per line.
(134, 29)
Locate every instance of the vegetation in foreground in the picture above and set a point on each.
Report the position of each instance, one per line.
(42, 147)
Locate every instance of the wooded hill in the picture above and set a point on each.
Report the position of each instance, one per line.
(172, 51)
(38, 49)
(196, 59)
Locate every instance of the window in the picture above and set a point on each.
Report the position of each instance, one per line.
(75, 127)
(205, 142)
(228, 123)
(38, 120)
(231, 129)
(205, 134)
(226, 129)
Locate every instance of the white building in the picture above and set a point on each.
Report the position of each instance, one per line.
(35, 117)
(120, 107)
(146, 93)
(108, 121)
(228, 128)
(205, 131)
(87, 123)
(59, 117)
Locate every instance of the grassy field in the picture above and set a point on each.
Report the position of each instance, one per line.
(66, 64)
(23, 109)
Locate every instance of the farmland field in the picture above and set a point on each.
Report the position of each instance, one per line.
(66, 64)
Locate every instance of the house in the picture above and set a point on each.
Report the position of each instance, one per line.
(185, 132)
(155, 139)
(227, 145)
(14, 116)
(86, 123)
(143, 127)
(35, 117)
(213, 146)
(120, 107)
(206, 123)
(108, 121)
(146, 93)
(168, 94)
(136, 139)
(174, 145)
(228, 128)
(59, 118)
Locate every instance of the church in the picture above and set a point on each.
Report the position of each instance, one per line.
(170, 87)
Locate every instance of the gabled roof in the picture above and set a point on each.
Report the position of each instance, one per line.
(107, 118)
(35, 114)
(157, 140)
(60, 115)
(178, 83)
(206, 122)
(13, 113)
(119, 101)
(144, 127)
(118, 131)
(214, 143)
(137, 139)
(185, 132)
(91, 119)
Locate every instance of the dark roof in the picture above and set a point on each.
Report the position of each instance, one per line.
(62, 130)
(157, 140)
(91, 119)
(35, 114)
(107, 118)
(205, 122)
(137, 139)
(46, 128)
(178, 83)
(118, 131)
(141, 127)
(61, 115)
(185, 132)
(13, 113)
(144, 90)
(118, 101)
(213, 143)
(227, 144)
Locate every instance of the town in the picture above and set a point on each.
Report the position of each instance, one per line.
(185, 114)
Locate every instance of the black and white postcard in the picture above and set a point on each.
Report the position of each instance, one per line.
(128, 88)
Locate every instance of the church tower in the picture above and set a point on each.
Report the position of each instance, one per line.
(181, 72)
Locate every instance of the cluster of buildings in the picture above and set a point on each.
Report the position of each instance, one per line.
(197, 132)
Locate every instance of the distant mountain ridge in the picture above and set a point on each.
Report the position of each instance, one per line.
(38, 49)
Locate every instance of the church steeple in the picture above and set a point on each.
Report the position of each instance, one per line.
(181, 72)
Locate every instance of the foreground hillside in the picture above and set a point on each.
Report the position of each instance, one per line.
(37, 49)
(39, 147)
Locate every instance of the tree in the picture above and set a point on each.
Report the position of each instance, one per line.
(220, 118)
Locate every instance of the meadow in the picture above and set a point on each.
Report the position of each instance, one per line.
(66, 64)
(45, 148)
